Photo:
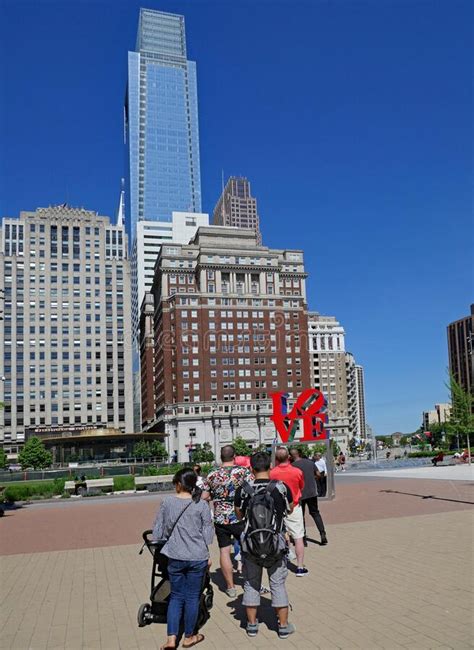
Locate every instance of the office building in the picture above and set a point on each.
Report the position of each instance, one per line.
(460, 350)
(356, 398)
(66, 332)
(237, 207)
(150, 236)
(328, 371)
(224, 326)
(161, 123)
(440, 414)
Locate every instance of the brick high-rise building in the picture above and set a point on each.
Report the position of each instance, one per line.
(237, 207)
(66, 327)
(224, 327)
(460, 350)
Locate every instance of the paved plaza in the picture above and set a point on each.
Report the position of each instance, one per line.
(397, 573)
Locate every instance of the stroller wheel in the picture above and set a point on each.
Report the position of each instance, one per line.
(142, 616)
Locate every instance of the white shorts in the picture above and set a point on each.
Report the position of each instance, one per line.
(294, 523)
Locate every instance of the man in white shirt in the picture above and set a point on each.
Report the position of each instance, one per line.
(321, 475)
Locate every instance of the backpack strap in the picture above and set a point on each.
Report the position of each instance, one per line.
(248, 489)
(271, 486)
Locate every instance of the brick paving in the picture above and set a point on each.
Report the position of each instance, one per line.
(396, 582)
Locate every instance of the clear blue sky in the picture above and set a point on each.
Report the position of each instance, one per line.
(353, 121)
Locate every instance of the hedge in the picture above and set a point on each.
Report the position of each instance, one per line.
(33, 490)
(427, 454)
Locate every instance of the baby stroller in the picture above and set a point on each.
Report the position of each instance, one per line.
(156, 610)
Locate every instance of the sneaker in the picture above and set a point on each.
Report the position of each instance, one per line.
(324, 539)
(231, 592)
(284, 631)
(252, 629)
(291, 554)
(301, 571)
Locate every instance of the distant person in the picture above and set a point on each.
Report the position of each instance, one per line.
(220, 487)
(321, 475)
(309, 496)
(293, 478)
(263, 503)
(341, 461)
(186, 523)
(438, 459)
(200, 481)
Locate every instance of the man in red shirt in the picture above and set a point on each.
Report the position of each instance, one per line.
(294, 478)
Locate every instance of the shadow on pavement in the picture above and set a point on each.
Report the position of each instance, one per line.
(266, 613)
(428, 496)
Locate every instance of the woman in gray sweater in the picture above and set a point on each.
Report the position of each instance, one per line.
(187, 552)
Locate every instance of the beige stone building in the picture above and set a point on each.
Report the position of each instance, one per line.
(66, 328)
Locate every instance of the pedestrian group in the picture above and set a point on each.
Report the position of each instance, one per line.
(258, 515)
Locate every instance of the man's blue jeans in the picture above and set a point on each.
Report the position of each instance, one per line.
(186, 579)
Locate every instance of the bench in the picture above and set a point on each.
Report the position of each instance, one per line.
(69, 486)
(145, 481)
(100, 483)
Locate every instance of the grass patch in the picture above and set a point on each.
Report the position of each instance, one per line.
(122, 483)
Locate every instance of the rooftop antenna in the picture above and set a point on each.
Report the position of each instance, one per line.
(222, 202)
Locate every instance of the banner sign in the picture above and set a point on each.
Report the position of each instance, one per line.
(310, 407)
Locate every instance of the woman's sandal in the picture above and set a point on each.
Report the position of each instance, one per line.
(199, 638)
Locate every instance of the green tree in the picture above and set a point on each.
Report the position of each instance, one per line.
(3, 458)
(34, 454)
(461, 420)
(203, 453)
(142, 449)
(158, 450)
(241, 447)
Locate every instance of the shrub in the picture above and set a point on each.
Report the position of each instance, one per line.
(423, 454)
(19, 492)
(124, 483)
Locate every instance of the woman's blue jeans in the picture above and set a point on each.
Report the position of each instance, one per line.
(186, 580)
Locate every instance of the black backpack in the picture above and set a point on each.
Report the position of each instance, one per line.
(261, 540)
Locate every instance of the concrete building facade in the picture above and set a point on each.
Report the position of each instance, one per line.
(224, 326)
(237, 207)
(66, 328)
(326, 340)
(440, 414)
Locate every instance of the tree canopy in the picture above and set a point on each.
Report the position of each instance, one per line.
(35, 455)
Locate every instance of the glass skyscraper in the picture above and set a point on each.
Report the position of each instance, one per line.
(161, 123)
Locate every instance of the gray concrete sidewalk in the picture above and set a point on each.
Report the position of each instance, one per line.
(394, 583)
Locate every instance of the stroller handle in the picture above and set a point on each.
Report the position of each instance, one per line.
(146, 536)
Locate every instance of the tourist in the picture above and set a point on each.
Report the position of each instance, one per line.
(220, 487)
(293, 477)
(341, 461)
(438, 459)
(309, 496)
(186, 523)
(200, 481)
(274, 501)
(321, 474)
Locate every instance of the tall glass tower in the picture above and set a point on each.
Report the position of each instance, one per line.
(161, 123)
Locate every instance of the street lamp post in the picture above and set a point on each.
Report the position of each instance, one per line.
(260, 420)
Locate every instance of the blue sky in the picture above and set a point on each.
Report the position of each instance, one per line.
(353, 121)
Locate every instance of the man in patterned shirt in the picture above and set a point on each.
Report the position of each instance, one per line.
(220, 487)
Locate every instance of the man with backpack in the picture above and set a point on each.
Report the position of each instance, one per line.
(263, 505)
(220, 487)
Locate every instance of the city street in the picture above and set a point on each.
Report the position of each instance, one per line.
(397, 573)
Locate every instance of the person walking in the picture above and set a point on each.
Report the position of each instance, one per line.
(220, 487)
(293, 477)
(263, 504)
(186, 523)
(321, 475)
(309, 496)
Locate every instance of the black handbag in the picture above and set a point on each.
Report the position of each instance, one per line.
(162, 559)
